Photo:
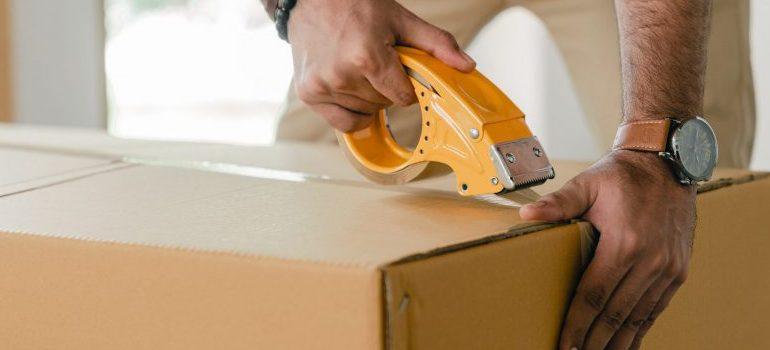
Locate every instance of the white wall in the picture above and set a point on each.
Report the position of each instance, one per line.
(59, 72)
(58, 58)
(760, 31)
(539, 83)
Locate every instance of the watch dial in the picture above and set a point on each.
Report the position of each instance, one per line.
(697, 148)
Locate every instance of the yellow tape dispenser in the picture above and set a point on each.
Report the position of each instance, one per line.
(468, 123)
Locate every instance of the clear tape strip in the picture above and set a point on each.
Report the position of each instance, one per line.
(511, 200)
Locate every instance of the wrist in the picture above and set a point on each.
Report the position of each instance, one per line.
(649, 167)
(661, 113)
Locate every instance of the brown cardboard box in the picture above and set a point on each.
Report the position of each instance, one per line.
(183, 246)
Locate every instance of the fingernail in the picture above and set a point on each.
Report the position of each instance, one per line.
(468, 57)
(573, 348)
(536, 205)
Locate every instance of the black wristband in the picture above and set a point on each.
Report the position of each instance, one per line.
(282, 14)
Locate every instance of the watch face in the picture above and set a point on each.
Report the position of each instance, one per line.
(696, 146)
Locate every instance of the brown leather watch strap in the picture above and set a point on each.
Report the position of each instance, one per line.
(646, 135)
(270, 7)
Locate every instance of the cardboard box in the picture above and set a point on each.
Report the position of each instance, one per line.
(117, 244)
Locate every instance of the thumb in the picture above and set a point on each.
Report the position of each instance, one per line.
(570, 202)
(441, 44)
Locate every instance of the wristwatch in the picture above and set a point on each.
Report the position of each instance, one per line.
(689, 145)
(279, 11)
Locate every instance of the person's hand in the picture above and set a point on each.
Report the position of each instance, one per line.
(345, 65)
(646, 221)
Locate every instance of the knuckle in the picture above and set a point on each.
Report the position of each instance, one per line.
(348, 123)
(673, 271)
(447, 38)
(634, 324)
(647, 306)
(680, 279)
(557, 200)
(397, 90)
(310, 88)
(344, 124)
(551, 198)
(405, 97)
(578, 332)
(631, 245)
(364, 61)
(579, 181)
(401, 90)
(646, 325)
(337, 82)
(557, 197)
(613, 320)
(660, 264)
(595, 298)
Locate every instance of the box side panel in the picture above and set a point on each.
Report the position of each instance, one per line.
(514, 293)
(725, 302)
(510, 294)
(69, 294)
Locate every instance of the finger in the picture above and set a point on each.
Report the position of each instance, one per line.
(417, 33)
(353, 103)
(389, 78)
(569, 202)
(347, 89)
(596, 286)
(662, 305)
(622, 302)
(328, 96)
(354, 83)
(634, 322)
(342, 119)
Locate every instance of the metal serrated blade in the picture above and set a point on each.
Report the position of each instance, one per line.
(512, 199)
(521, 164)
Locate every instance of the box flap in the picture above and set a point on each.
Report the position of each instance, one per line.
(286, 214)
(322, 161)
(26, 169)
(324, 222)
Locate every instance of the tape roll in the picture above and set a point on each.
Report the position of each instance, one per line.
(398, 177)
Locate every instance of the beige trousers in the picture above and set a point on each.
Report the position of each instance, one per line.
(587, 36)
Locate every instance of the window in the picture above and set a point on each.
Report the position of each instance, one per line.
(197, 70)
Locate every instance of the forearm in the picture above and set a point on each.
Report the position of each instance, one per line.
(663, 45)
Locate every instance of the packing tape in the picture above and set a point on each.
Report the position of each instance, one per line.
(509, 200)
(588, 236)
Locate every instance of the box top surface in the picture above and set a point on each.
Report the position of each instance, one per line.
(21, 165)
(24, 169)
(181, 208)
(317, 210)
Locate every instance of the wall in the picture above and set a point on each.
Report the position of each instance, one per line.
(59, 75)
(539, 83)
(760, 26)
(58, 55)
(5, 63)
